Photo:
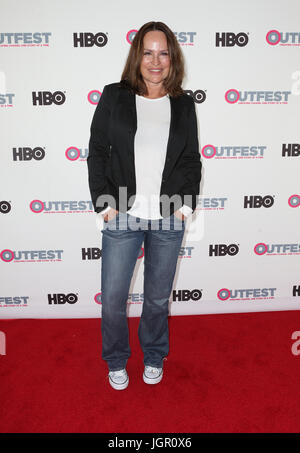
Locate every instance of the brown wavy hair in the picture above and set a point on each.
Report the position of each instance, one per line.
(131, 76)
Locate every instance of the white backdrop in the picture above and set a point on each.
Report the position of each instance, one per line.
(242, 64)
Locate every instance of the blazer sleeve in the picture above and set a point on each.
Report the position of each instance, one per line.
(99, 144)
(191, 162)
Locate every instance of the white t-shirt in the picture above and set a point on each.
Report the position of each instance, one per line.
(150, 148)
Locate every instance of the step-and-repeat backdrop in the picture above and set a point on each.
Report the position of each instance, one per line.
(241, 250)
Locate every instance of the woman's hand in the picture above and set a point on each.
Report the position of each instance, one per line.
(110, 214)
(179, 215)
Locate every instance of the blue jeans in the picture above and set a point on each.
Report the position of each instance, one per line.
(122, 239)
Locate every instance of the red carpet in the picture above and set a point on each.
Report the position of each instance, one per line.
(225, 373)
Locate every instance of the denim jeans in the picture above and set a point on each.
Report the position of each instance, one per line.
(122, 239)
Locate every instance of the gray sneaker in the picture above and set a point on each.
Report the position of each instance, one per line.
(152, 375)
(118, 379)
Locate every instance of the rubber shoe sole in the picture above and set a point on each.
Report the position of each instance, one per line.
(153, 380)
(117, 386)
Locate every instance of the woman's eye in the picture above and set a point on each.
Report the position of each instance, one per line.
(164, 54)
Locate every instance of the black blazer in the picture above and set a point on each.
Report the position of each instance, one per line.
(111, 152)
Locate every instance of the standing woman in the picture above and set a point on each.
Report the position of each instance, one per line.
(144, 175)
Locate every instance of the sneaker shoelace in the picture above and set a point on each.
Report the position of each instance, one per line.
(152, 369)
(119, 373)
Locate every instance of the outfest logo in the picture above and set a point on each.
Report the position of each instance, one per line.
(233, 96)
(287, 38)
(14, 301)
(30, 256)
(37, 39)
(73, 153)
(185, 252)
(233, 152)
(211, 203)
(276, 249)
(6, 100)
(133, 298)
(246, 294)
(130, 35)
(184, 38)
(94, 96)
(61, 206)
(294, 201)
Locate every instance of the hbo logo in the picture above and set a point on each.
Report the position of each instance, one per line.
(61, 298)
(185, 294)
(27, 153)
(231, 39)
(89, 39)
(257, 201)
(223, 249)
(291, 149)
(48, 98)
(199, 96)
(5, 207)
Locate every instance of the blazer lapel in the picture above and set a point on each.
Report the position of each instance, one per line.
(132, 116)
(176, 135)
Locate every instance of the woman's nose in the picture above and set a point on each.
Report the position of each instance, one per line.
(155, 59)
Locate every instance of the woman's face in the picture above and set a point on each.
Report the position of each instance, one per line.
(155, 64)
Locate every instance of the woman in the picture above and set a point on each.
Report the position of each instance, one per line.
(144, 175)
